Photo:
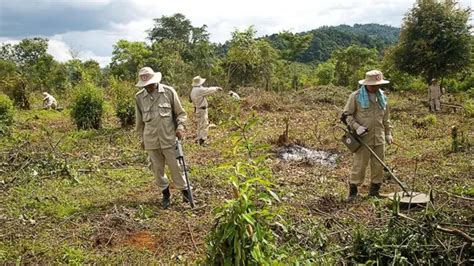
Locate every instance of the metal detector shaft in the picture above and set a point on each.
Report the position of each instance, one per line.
(400, 183)
(180, 157)
(357, 137)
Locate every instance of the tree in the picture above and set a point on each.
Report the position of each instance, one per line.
(249, 61)
(177, 27)
(435, 40)
(26, 53)
(325, 73)
(292, 45)
(351, 64)
(128, 57)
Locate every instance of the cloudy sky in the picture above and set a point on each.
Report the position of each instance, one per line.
(89, 28)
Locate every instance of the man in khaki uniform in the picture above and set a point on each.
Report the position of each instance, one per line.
(368, 115)
(49, 102)
(160, 118)
(198, 97)
(434, 96)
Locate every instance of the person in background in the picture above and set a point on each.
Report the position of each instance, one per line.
(198, 97)
(49, 102)
(234, 95)
(435, 96)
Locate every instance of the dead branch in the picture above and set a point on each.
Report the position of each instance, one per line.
(454, 195)
(455, 232)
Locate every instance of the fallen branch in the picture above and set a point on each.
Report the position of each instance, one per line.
(454, 195)
(455, 232)
(191, 233)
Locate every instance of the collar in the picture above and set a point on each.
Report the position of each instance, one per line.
(160, 89)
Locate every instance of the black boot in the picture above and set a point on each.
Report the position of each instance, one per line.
(374, 190)
(352, 193)
(166, 198)
(185, 193)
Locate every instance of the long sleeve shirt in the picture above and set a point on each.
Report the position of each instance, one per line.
(374, 118)
(199, 93)
(158, 116)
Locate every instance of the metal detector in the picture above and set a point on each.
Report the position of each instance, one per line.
(180, 158)
(405, 196)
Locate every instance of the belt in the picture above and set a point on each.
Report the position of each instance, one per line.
(202, 108)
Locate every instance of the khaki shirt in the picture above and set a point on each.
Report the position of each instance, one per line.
(158, 117)
(434, 92)
(374, 118)
(198, 95)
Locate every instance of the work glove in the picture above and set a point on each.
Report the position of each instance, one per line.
(389, 139)
(361, 130)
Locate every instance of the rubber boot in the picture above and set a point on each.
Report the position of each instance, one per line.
(352, 193)
(166, 198)
(374, 190)
(185, 195)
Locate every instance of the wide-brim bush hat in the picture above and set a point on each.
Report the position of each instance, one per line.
(373, 77)
(147, 76)
(198, 81)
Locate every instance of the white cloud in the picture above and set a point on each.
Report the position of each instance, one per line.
(60, 50)
(131, 18)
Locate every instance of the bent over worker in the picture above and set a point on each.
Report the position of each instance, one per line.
(198, 97)
(49, 102)
(368, 114)
(160, 118)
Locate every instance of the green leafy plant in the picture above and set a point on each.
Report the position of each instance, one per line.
(88, 106)
(6, 113)
(124, 101)
(241, 234)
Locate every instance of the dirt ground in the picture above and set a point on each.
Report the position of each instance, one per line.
(70, 196)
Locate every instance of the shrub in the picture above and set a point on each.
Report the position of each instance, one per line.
(426, 121)
(123, 97)
(242, 232)
(88, 106)
(6, 113)
(469, 107)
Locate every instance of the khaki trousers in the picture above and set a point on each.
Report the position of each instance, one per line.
(158, 159)
(202, 123)
(435, 105)
(361, 160)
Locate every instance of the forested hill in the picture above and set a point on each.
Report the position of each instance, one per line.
(327, 39)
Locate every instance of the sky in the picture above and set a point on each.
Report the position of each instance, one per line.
(88, 29)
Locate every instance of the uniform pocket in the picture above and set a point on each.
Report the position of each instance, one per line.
(164, 109)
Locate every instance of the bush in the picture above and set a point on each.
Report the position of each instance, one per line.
(426, 121)
(242, 233)
(88, 106)
(469, 107)
(123, 97)
(6, 113)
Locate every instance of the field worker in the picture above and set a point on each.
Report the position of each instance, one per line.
(49, 102)
(160, 118)
(434, 96)
(234, 95)
(198, 97)
(368, 115)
